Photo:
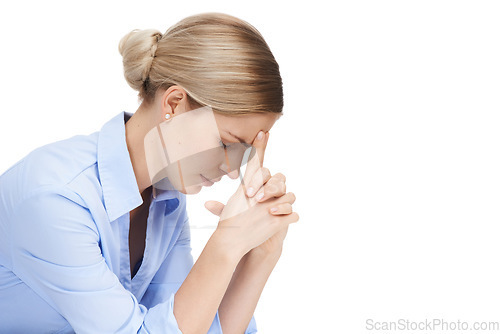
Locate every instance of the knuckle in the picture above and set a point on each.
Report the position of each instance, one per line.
(272, 188)
(291, 197)
(281, 176)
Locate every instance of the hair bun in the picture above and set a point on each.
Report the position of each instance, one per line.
(138, 50)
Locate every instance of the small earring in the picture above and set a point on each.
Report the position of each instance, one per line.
(168, 117)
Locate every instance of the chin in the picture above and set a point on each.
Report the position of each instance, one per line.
(191, 190)
(199, 183)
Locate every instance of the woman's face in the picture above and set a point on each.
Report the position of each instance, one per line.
(202, 146)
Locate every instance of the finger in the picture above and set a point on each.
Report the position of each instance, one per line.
(275, 187)
(290, 219)
(281, 209)
(280, 176)
(257, 156)
(258, 180)
(285, 220)
(214, 207)
(287, 198)
(271, 189)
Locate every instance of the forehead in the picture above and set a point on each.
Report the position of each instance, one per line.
(246, 125)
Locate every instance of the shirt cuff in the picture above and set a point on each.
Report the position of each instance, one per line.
(216, 327)
(161, 319)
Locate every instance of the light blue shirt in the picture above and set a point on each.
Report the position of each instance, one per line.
(64, 251)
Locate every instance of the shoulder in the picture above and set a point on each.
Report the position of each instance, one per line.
(51, 166)
(60, 162)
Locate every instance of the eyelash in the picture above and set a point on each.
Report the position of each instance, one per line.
(222, 144)
(226, 146)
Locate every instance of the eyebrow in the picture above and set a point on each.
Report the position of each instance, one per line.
(239, 139)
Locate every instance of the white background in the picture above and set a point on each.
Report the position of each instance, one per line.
(390, 142)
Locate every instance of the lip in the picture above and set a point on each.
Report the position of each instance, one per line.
(206, 182)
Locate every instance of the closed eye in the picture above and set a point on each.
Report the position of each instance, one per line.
(240, 140)
(222, 144)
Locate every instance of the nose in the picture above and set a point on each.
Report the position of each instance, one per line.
(234, 174)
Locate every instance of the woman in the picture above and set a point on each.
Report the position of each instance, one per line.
(94, 236)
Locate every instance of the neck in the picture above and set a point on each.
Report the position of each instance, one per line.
(135, 130)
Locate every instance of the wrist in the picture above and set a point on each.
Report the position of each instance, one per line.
(226, 247)
(260, 255)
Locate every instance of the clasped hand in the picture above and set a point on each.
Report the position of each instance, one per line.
(256, 217)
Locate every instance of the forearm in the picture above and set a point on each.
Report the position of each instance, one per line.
(244, 290)
(198, 298)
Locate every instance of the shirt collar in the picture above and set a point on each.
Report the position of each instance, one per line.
(162, 195)
(119, 186)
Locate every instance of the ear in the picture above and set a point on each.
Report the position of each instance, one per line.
(174, 101)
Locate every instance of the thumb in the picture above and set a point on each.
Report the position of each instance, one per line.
(256, 158)
(214, 207)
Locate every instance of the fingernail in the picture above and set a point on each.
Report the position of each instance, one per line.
(260, 136)
(260, 196)
(274, 209)
(250, 191)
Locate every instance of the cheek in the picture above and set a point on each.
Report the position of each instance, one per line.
(185, 174)
(207, 163)
(237, 156)
(207, 160)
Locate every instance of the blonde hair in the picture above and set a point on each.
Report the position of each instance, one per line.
(219, 60)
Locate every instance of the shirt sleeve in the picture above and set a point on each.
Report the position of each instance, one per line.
(55, 251)
(169, 278)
